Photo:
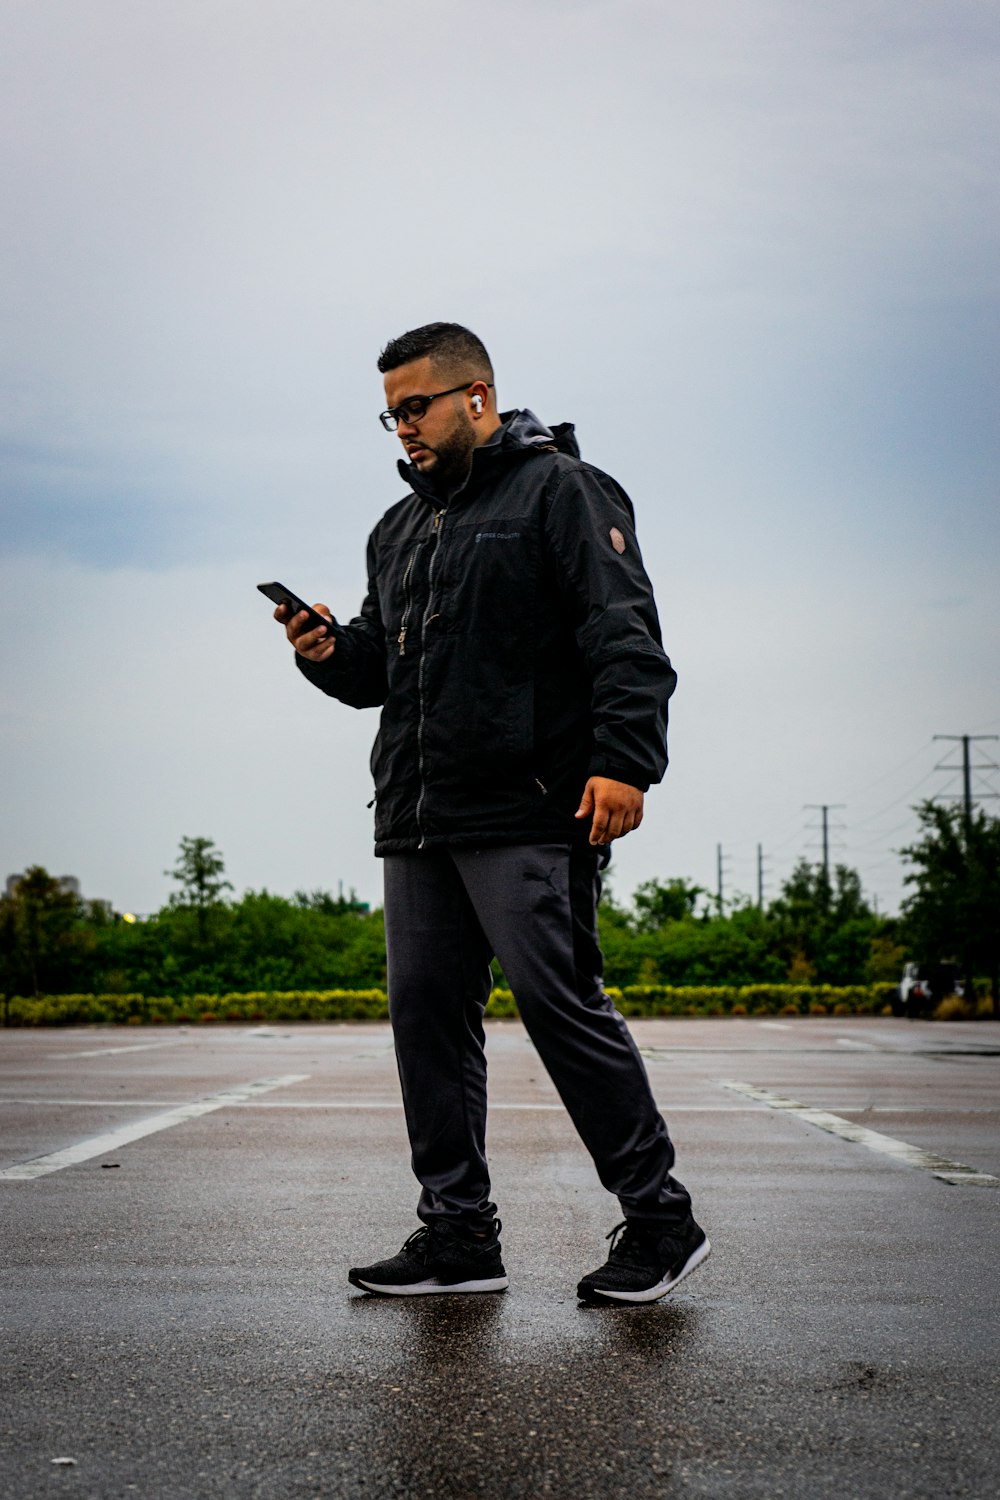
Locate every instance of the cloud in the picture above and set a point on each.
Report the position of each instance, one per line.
(751, 251)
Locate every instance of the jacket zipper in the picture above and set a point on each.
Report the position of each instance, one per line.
(428, 615)
(401, 638)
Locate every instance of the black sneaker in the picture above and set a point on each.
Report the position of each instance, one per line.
(437, 1258)
(645, 1264)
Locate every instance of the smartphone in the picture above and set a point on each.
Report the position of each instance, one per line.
(278, 594)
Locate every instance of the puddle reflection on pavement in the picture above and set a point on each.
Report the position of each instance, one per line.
(560, 1396)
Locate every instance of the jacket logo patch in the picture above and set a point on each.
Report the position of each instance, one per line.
(617, 540)
(497, 536)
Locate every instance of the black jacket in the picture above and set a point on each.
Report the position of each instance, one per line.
(511, 635)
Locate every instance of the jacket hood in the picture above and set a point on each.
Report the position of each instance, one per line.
(519, 431)
(522, 429)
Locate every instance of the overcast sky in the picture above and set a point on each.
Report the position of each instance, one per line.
(750, 250)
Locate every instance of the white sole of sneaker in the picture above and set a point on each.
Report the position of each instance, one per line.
(434, 1284)
(654, 1293)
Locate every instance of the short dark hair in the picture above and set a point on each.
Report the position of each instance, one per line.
(449, 345)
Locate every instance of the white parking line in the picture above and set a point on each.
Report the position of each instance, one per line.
(953, 1172)
(303, 1104)
(109, 1051)
(849, 1041)
(893, 1040)
(112, 1140)
(776, 1025)
(93, 1103)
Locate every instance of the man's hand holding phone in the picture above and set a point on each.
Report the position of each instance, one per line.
(305, 626)
(314, 642)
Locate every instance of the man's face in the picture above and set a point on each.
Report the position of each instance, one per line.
(439, 443)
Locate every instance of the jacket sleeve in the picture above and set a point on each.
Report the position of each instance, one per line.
(590, 533)
(355, 673)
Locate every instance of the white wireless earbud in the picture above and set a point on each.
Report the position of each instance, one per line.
(477, 403)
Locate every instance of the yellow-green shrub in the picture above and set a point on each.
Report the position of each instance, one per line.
(371, 1005)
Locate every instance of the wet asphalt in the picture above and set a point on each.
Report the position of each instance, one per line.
(179, 1323)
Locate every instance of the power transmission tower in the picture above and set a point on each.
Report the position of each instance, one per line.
(967, 769)
(966, 740)
(824, 808)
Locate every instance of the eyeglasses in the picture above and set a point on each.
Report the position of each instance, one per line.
(414, 407)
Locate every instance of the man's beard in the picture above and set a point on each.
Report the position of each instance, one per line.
(454, 459)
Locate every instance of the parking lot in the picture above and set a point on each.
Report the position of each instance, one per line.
(180, 1208)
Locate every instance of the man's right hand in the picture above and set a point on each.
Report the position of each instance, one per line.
(314, 644)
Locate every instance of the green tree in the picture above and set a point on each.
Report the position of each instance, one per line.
(954, 911)
(663, 939)
(824, 929)
(199, 871)
(40, 934)
(11, 950)
(259, 942)
(656, 902)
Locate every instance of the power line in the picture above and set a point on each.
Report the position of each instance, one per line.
(860, 822)
(860, 792)
(796, 834)
(907, 823)
(725, 863)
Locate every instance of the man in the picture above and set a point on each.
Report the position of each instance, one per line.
(510, 636)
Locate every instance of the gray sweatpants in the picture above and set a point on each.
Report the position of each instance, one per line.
(447, 913)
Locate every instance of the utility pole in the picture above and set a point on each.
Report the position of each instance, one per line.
(760, 877)
(719, 862)
(966, 740)
(824, 808)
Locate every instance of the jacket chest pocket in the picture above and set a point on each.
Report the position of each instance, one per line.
(489, 581)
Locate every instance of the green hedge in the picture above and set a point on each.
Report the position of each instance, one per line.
(264, 1005)
(370, 1005)
(754, 1000)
